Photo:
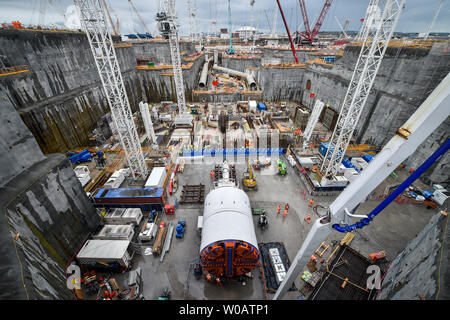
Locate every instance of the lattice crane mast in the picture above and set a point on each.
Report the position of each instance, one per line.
(230, 49)
(167, 26)
(93, 21)
(139, 17)
(309, 35)
(372, 52)
(434, 19)
(115, 30)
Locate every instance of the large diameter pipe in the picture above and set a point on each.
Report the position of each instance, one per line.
(204, 75)
(250, 80)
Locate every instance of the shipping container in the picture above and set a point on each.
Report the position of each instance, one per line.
(146, 199)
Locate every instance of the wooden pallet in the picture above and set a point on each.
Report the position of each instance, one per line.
(321, 249)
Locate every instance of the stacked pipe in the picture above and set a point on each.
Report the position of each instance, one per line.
(250, 80)
(204, 75)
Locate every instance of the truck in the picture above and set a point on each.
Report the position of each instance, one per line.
(83, 156)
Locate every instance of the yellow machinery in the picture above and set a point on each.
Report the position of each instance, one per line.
(249, 180)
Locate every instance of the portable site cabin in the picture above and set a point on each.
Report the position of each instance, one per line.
(156, 178)
(122, 216)
(115, 180)
(83, 174)
(105, 253)
(115, 232)
(252, 106)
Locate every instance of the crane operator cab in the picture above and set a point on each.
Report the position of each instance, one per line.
(164, 24)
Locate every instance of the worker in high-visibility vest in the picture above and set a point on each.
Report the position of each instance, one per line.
(286, 208)
(279, 209)
(308, 219)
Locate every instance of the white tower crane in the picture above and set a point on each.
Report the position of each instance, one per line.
(93, 21)
(312, 121)
(191, 20)
(169, 29)
(42, 13)
(274, 26)
(343, 29)
(434, 19)
(369, 22)
(372, 52)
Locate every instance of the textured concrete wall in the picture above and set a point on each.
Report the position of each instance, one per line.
(281, 84)
(240, 64)
(61, 98)
(44, 205)
(18, 148)
(285, 56)
(160, 51)
(420, 268)
(158, 84)
(49, 211)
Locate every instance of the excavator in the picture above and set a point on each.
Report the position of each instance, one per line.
(249, 180)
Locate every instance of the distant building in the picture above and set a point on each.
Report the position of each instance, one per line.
(246, 32)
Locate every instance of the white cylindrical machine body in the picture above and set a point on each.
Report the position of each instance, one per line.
(228, 224)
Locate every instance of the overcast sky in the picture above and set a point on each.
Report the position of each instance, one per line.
(416, 16)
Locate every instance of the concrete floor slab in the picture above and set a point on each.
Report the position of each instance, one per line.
(390, 231)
